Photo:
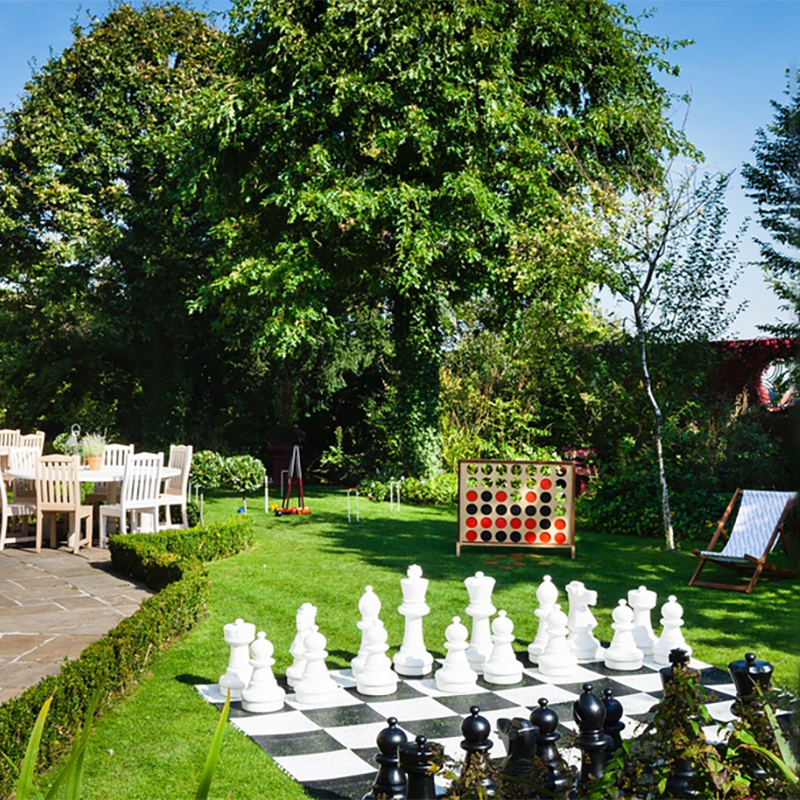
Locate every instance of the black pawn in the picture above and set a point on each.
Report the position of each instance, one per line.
(390, 782)
(590, 715)
(476, 743)
(416, 760)
(557, 778)
(677, 658)
(613, 725)
(519, 737)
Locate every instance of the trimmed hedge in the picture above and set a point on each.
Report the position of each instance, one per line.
(172, 562)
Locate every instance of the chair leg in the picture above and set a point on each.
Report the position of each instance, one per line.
(52, 518)
(3, 528)
(103, 530)
(184, 514)
(39, 527)
(697, 571)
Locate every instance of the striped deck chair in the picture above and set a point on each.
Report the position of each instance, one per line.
(758, 527)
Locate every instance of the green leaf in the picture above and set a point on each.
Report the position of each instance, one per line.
(24, 787)
(213, 753)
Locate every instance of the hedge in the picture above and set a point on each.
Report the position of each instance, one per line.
(170, 561)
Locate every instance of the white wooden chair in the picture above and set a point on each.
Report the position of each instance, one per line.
(58, 491)
(9, 438)
(33, 440)
(176, 489)
(141, 486)
(23, 459)
(115, 455)
(14, 509)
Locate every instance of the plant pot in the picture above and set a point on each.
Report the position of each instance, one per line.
(94, 462)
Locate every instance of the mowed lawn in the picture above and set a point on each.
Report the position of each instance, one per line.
(154, 742)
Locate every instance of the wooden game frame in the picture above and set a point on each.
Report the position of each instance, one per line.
(532, 504)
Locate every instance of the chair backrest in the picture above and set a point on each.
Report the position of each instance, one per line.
(141, 486)
(180, 457)
(33, 440)
(9, 438)
(755, 523)
(57, 485)
(116, 455)
(23, 459)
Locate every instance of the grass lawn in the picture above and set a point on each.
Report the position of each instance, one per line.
(153, 744)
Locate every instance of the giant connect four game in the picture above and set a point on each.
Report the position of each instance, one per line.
(516, 503)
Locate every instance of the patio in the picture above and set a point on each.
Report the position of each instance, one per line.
(53, 605)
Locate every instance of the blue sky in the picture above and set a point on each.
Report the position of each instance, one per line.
(737, 65)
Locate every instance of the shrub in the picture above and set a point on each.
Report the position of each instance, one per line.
(206, 469)
(441, 490)
(242, 474)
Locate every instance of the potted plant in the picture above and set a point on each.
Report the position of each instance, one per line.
(92, 447)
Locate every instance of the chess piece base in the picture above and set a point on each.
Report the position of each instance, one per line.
(412, 667)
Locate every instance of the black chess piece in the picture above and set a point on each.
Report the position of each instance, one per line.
(677, 658)
(613, 725)
(476, 743)
(590, 714)
(557, 778)
(416, 759)
(390, 782)
(519, 737)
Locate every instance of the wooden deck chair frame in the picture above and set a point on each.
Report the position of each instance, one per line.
(749, 563)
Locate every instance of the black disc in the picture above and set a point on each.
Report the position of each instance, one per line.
(486, 496)
(472, 508)
(516, 510)
(486, 536)
(501, 510)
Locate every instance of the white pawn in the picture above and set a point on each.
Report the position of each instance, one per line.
(558, 660)
(480, 608)
(370, 606)
(581, 622)
(671, 634)
(304, 619)
(643, 601)
(547, 595)
(623, 653)
(412, 659)
(316, 686)
(376, 676)
(238, 635)
(262, 695)
(502, 665)
(456, 675)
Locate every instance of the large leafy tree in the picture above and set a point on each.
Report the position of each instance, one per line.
(402, 156)
(99, 258)
(773, 181)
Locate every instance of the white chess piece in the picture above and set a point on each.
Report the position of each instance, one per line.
(622, 653)
(369, 606)
(456, 675)
(306, 615)
(262, 695)
(547, 595)
(376, 676)
(502, 666)
(238, 635)
(316, 686)
(671, 634)
(558, 659)
(581, 622)
(643, 601)
(412, 659)
(480, 608)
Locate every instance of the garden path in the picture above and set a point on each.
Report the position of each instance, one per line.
(54, 604)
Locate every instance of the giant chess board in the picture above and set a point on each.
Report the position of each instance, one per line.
(331, 749)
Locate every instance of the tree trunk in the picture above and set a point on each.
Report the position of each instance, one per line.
(418, 341)
(662, 477)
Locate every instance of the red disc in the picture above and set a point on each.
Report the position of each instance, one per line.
(530, 524)
(471, 522)
(530, 497)
(561, 524)
(530, 537)
(472, 536)
(472, 496)
(501, 497)
(486, 522)
(516, 522)
(546, 483)
(500, 522)
(544, 537)
(560, 538)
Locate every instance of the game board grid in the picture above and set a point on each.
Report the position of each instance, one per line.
(331, 750)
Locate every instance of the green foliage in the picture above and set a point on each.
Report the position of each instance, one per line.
(213, 753)
(206, 470)
(242, 474)
(440, 490)
(92, 445)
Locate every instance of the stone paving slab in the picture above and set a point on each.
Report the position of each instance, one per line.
(54, 604)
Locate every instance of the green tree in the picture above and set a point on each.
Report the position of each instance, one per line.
(99, 257)
(773, 182)
(401, 157)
